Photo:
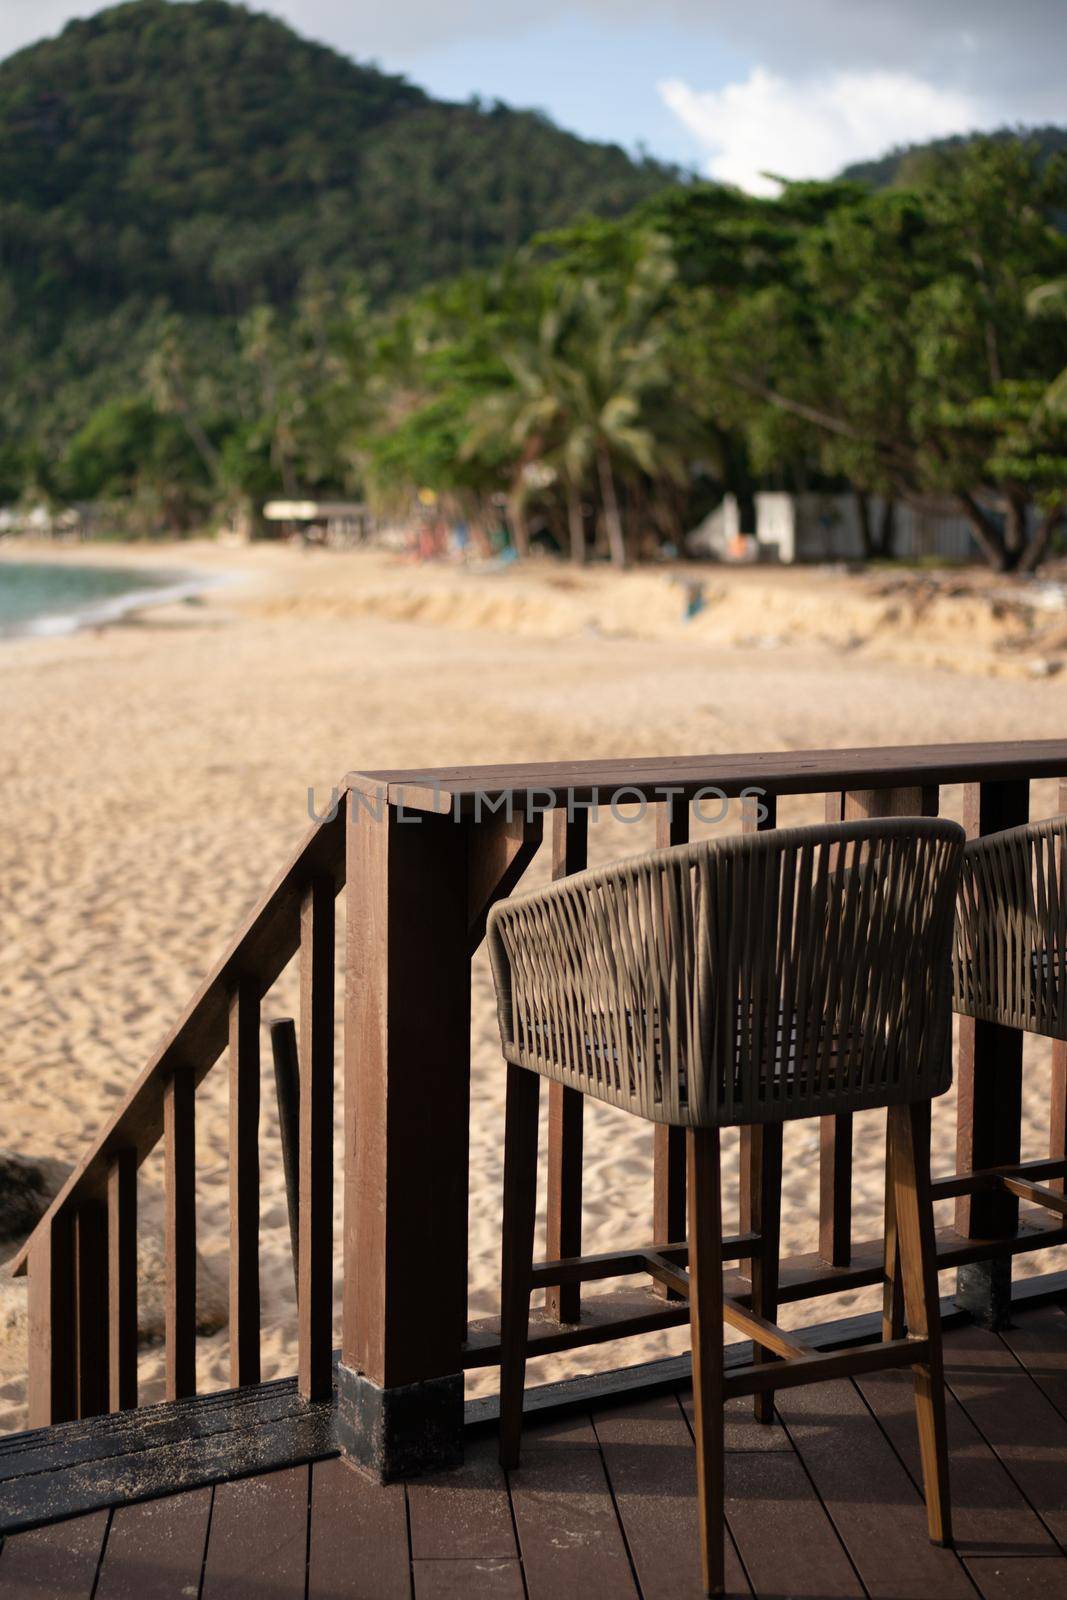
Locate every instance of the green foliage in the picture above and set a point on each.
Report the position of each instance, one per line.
(128, 451)
(166, 165)
(888, 316)
(911, 164)
(207, 155)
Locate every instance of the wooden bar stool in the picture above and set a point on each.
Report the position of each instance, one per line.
(1009, 962)
(741, 982)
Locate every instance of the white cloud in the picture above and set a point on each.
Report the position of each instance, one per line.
(813, 127)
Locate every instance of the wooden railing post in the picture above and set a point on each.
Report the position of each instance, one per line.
(570, 850)
(419, 887)
(52, 1393)
(407, 1093)
(668, 1144)
(989, 1097)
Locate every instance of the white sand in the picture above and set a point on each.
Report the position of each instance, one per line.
(155, 776)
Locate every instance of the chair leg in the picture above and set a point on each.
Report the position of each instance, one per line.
(705, 1309)
(892, 1291)
(909, 1143)
(765, 1212)
(516, 1260)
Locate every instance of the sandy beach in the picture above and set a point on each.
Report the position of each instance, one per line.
(155, 774)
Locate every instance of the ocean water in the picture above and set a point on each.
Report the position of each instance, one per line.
(55, 597)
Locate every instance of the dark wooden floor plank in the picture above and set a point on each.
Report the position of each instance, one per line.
(648, 1452)
(359, 1537)
(1018, 1421)
(486, 1579)
(156, 1548)
(59, 1561)
(595, 1493)
(990, 1515)
(875, 1507)
(1016, 1577)
(570, 1432)
(784, 1536)
(463, 1514)
(742, 1430)
(774, 1512)
(1004, 1577)
(569, 1535)
(1039, 1342)
(257, 1547)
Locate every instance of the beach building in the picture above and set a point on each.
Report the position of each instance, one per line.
(792, 528)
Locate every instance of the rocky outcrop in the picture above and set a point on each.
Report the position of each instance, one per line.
(27, 1185)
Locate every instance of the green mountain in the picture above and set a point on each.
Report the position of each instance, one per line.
(906, 163)
(208, 154)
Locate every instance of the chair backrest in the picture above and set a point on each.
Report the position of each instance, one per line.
(1010, 952)
(784, 974)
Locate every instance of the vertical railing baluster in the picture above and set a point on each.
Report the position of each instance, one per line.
(244, 1185)
(1057, 1132)
(989, 1095)
(570, 853)
(287, 1090)
(835, 1189)
(91, 1307)
(315, 1280)
(835, 1133)
(51, 1390)
(122, 1280)
(758, 813)
(179, 1159)
(668, 1144)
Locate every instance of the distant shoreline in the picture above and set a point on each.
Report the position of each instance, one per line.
(66, 612)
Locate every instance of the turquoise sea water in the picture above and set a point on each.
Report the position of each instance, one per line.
(51, 597)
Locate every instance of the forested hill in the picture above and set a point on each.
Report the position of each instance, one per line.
(906, 164)
(207, 155)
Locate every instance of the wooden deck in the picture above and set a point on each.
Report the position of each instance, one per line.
(822, 1503)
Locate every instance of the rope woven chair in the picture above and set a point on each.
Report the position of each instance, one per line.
(1009, 962)
(754, 980)
(1010, 953)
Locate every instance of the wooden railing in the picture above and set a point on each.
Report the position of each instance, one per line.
(82, 1257)
(424, 856)
(405, 1329)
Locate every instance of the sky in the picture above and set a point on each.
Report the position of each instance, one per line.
(734, 89)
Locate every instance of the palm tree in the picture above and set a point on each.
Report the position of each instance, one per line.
(529, 417)
(589, 395)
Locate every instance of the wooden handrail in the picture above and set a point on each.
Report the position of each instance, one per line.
(265, 944)
(780, 772)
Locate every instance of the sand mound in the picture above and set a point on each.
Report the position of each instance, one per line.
(971, 621)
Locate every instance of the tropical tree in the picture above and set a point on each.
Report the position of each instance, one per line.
(171, 387)
(589, 395)
(896, 327)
